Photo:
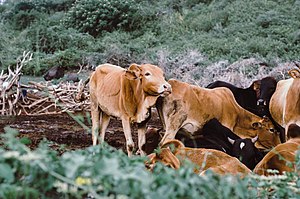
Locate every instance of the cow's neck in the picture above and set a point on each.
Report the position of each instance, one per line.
(137, 101)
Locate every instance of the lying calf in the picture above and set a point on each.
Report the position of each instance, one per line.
(282, 157)
(173, 154)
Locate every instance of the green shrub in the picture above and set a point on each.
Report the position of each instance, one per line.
(96, 16)
(69, 60)
(102, 171)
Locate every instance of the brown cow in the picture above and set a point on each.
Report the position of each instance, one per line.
(173, 154)
(285, 102)
(189, 107)
(282, 157)
(126, 94)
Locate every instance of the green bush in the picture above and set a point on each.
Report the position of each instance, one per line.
(96, 16)
(139, 30)
(69, 60)
(102, 171)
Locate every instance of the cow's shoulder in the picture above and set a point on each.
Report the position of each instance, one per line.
(107, 78)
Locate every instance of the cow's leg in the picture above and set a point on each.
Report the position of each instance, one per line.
(104, 123)
(169, 135)
(172, 115)
(128, 136)
(95, 113)
(141, 137)
(173, 124)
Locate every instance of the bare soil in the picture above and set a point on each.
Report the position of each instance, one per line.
(65, 133)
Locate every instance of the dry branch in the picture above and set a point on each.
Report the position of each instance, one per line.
(37, 97)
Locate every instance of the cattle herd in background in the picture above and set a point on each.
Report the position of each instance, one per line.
(221, 127)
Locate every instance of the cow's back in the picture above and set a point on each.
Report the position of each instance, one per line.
(279, 158)
(246, 98)
(204, 104)
(105, 85)
(215, 160)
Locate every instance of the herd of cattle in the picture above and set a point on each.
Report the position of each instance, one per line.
(221, 127)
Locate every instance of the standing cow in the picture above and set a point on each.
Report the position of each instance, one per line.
(285, 102)
(189, 107)
(126, 94)
(283, 157)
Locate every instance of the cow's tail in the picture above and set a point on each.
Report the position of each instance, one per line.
(80, 95)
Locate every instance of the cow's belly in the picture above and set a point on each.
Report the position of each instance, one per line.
(110, 106)
(111, 111)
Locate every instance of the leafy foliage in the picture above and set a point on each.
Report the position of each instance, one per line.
(96, 16)
(126, 31)
(102, 171)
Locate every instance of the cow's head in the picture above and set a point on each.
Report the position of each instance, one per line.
(264, 89)
(151, 77)
(166, 155)
(245, 151)
(268, 137)
(153, 137)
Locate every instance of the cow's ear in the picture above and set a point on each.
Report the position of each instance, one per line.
(294, 73)
(133, 72)
(256, 125)
(256, 87)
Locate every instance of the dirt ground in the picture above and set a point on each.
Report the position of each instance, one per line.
(63, 130)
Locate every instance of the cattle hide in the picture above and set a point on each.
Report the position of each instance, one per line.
(126, 94)
(174, 154)
(189, 107)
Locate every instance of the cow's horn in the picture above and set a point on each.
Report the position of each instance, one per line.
(253, 140)
(231, 140)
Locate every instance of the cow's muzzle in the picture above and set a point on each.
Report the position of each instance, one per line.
(261, 102)
(167, 89)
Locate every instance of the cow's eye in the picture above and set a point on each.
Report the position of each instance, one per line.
(147, 74)
(273, 130)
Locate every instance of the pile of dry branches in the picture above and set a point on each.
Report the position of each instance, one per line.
(46, 98)
(38, 98)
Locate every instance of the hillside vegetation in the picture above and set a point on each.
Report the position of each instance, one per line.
(172, 33)
(196, 41)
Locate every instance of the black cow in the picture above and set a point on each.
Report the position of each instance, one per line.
(246, 152)
(216, 136)
(213, 136)
(255, 98)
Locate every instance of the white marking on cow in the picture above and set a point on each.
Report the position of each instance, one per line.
(242, 145)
